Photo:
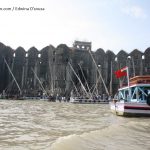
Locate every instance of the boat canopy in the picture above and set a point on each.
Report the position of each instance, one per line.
(138, 93)
(140, 80)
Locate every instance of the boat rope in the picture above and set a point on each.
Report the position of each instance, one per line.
(85, 80)
(95, 87)
(99, 73)
(78, 78)
(39, 82)
(74, 85)
(13, 76)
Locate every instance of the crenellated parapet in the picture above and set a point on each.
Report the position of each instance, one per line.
(50, 65)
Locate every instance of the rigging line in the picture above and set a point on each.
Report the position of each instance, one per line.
(95, 87)
(10, 85)
(85, 80)
(99, 73)
(74, 84)
(78, 79)
(39, 82)
(13, 76)
(91, 87)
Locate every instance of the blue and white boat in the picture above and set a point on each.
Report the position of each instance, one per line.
(134, 99)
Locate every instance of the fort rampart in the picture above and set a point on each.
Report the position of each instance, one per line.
(50, 66)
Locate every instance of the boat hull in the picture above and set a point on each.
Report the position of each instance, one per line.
(130, 109)
(87, 101)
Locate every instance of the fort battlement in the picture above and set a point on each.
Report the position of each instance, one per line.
(51, 66)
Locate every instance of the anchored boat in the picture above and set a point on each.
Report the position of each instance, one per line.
(134, 99)
(81, 100)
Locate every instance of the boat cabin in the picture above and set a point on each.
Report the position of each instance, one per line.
(137, 91)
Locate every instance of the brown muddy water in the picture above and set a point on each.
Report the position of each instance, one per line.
(43, 125)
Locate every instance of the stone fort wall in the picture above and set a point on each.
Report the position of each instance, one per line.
(51, 66)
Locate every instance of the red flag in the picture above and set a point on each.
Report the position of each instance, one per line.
(120, 73)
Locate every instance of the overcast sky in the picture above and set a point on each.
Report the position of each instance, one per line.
(108, 24)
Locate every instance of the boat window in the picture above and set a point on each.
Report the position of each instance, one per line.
(127, 94)
(120, 95)
(146, 92)
(132, 90)
(133, 93)
(139, 93)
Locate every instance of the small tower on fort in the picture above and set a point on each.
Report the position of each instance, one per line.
(82, 45)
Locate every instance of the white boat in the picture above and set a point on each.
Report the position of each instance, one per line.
(134, 99)
(85, 96)
(81, 100)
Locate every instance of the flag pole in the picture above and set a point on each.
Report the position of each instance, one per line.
(128, 76)
(128, 82)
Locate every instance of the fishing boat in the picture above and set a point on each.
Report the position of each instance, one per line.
(82, 100)
(133, 99)
(84, 95)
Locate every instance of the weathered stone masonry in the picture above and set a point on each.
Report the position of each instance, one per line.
(51, 66)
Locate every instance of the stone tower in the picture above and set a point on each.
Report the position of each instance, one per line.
(81, 45)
